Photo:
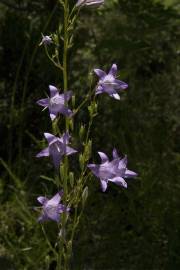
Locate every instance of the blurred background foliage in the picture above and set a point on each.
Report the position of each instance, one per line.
(132, 229)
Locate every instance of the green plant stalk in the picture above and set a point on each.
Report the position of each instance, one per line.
(62, 249)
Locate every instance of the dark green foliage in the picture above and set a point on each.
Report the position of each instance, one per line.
(136, 229)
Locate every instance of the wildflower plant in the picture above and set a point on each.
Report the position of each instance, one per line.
(66, 206)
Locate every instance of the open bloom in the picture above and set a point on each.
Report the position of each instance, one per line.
(108, 82)
(56, 102)
(46, 40)
(92, 3)
(57, 148)
(114, 171)
(51, 209)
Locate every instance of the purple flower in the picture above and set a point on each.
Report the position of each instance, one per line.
(108, 82)
(92, 3)
(56, 102)
(57, 148)
(46, 40)
(51, 209)
(114, 171)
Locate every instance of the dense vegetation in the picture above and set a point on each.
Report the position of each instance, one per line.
(133, 229)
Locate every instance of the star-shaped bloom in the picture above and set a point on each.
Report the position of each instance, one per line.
(51, 209)
(56, 102)
(114, 171)
(108, 82)
(46, 40)
(92, 3)
(57, 148)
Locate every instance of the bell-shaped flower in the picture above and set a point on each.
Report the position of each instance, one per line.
(52, 209)
(89, 3)
(57, 103)
(114, 171)
(108, 82)
(46, 40)
(57, 148)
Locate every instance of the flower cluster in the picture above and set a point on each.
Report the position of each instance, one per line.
(114, 170)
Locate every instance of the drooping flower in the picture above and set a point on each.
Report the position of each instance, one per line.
(46, 40)
(114, 171)
(56, 102)
(51, 209)
(57, 148)
(92, 3)
(108, 82)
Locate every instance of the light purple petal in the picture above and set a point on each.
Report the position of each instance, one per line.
(52, 116)
(100, 73)
(69, 151)
(54, 200)
(53, 90)
(103, 157)
(113, 70)
(65, 111)
(49, 137)
(99, 90)
(119, 181)
(43, 218)
(67, 96)
(115, 153)
(43, 102)
(43, 153)
(116, 96)
(94, 168)
(121, 84)
(65, 138)
(53, 213)
(130, 174)
(122, 163)
(42, 199)
(104, 185)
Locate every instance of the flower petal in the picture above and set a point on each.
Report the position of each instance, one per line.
(103, 156)
(116, 96)
(69, 151)
(104, 184)
(113, 70)
(115, 153)
(42, 199)
(130, 174)
(100, 73)
(49, 137)
(99, 90)
(120, 84)
(52, 116)
(119, 181)
(67, 95)
(53, 90)
(43, 102)
(42, 218)
(43, 153)
(54, 200)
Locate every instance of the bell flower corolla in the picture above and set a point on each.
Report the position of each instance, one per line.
(108, 82)
(51, 209)
(57, 148)
(57, 103)
(46, 40)
(114, 171)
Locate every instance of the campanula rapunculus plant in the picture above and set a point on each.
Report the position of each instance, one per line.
(112, 171)
(56, 102)
(74, 183)
(51, 209)
(108, 82)
(57, 148)
(90, 3)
